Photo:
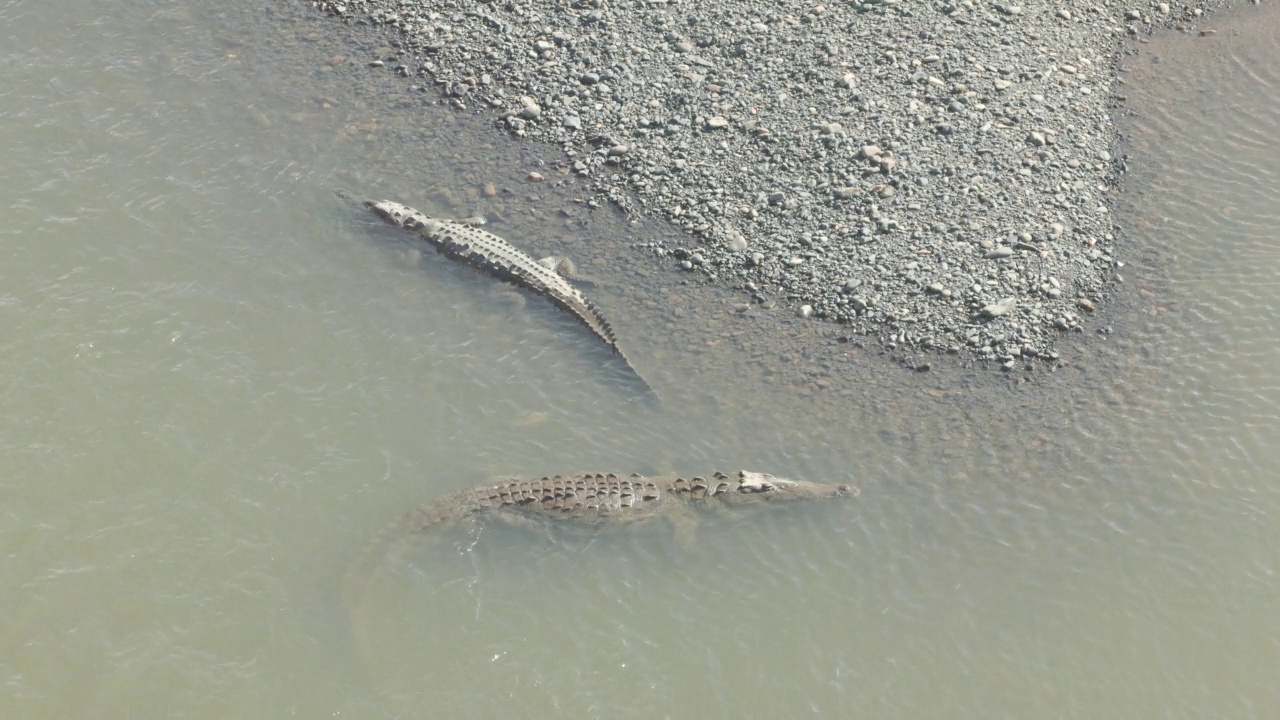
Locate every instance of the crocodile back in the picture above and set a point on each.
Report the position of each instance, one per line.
(491, 253)
(584, 497)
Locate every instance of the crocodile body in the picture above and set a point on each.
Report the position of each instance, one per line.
(596, 499)
(494, 255)
(587, 499)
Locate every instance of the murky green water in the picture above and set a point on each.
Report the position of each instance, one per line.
(220, 383)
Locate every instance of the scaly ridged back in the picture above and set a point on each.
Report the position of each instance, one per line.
(483, 248)
(490, 252)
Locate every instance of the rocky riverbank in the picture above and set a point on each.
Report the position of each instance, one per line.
(936, 176)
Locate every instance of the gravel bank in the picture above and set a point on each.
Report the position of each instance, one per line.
(935, 176)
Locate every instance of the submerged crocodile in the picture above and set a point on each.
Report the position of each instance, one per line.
(491, 253)
(588, 499)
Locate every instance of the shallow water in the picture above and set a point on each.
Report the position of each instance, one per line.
(221, 382)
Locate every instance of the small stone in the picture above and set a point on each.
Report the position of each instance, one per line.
(794, 261)
(1037, 138)
(530, 111)
(490, 190)
(737, 243)
(871, 152)
(573, 123)
(846, 192)
(1003, 84)
(1134, 15)
(717, 123)
(848, 81)
(535, 176)
(1000, 252)
(1004, 307)
(805, 311)
(376, 64)
(1064, 14)
(618, 150)
(1085, 304)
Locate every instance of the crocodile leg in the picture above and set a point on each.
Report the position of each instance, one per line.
(684, 522)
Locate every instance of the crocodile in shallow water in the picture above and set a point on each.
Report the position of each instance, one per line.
(491, 253)
(587, 499)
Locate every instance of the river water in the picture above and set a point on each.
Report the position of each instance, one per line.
(221, 382)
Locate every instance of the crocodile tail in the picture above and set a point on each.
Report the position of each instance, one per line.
(603, 328)
(379, 557)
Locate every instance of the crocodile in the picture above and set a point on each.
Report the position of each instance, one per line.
(591, 499)
(492, 254)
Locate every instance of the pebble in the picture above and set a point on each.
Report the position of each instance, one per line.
(1004, 307)
(1000, 252)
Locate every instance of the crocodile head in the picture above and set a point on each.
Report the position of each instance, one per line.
(752, 486)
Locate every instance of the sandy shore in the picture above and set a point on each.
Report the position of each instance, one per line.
(938, 177)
